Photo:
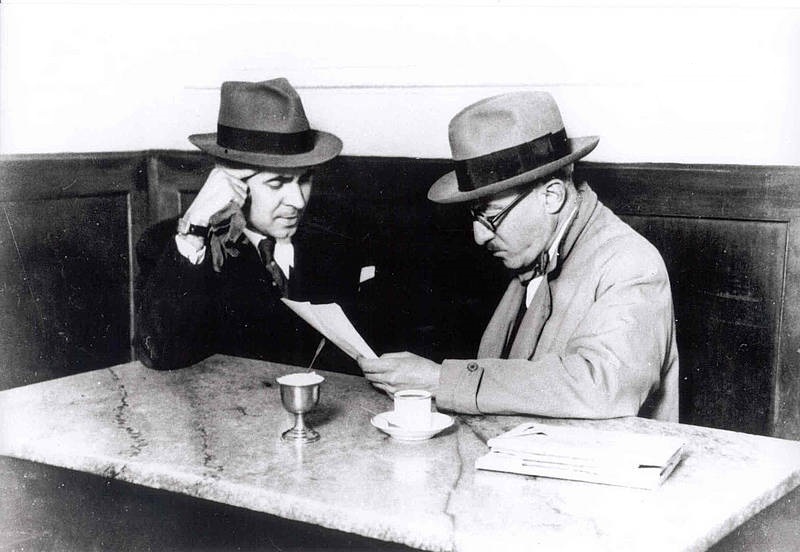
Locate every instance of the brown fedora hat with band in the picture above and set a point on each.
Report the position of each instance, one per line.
(505, 141)
(264, 124)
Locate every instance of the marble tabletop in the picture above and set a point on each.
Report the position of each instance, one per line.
(213, 431)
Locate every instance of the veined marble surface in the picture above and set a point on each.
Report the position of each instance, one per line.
(213, 431)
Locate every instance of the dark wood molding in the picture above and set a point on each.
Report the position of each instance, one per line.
(786, 387)
(65, 175)
(733, 192)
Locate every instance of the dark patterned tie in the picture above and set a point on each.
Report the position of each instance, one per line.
(267, 249)
(540, 304)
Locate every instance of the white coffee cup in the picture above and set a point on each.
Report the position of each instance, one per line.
(412, 409)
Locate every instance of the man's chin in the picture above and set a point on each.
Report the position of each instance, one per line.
(511, 264)
(519, 261)
(284, 233)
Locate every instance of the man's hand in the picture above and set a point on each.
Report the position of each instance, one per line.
(396, 371)
(223, 187)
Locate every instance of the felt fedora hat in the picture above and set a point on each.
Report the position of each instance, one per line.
(505, 141)
(264, 124)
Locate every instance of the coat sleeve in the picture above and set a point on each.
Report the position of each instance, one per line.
(611, 363)
(176, 318)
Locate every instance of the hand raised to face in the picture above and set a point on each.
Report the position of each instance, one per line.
(223, 186)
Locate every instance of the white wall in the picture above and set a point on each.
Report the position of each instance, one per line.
(712, 84)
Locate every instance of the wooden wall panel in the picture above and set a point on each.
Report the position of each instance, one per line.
(786, 384)
(174, 177)
(66, 232)
(729, 235)
(727, 280)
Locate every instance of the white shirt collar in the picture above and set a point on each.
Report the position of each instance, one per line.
(534, 284)
(284, 250)
(553, 251)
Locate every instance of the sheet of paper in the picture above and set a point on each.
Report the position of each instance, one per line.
(330, 320)
(584, 454)
(540, 441)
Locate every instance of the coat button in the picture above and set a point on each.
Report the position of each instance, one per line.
(472, 366)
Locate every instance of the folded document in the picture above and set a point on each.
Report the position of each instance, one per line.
(330, 320)
(597, 456)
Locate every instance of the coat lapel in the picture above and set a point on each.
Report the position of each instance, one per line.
(498, 332)
(533, 322)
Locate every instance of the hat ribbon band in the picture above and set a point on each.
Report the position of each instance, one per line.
(481, 171)
(260, 141)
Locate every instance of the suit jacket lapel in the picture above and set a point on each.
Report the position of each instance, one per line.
(249, 273)
(498, 332)
(533, 322)
(585, 211)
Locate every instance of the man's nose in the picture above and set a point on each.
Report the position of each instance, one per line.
(293, 195)
(481, 233)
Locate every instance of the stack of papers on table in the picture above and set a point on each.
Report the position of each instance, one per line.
(610, 457)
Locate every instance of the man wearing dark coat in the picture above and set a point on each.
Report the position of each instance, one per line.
(212, 281)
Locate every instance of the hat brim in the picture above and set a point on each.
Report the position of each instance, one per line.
(326, 147)
(445, 190)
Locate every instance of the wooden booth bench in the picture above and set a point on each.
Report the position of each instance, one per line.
(730, 237)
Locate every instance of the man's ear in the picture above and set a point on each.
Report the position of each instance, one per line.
(555, 195)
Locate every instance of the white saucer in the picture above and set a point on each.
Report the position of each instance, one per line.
(384, 422)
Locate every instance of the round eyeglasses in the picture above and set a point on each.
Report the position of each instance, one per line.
(493, 222)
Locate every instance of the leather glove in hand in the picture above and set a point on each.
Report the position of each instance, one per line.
(223, 186)
(226, 227)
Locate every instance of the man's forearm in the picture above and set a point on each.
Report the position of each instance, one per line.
(568, 387)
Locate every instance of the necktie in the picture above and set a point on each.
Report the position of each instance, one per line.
(523, 344)
(267, 249)
(533, 316)
(501, 335)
